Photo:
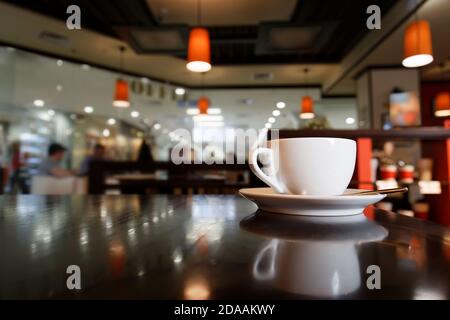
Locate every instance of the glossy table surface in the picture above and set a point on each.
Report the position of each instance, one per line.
(213, 247)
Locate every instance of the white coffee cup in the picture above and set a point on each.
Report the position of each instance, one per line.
(307, 166)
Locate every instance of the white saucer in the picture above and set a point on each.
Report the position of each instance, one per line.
(268, 200)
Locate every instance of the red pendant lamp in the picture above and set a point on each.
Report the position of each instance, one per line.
(417, 46)
(199, 51)
(442, 105)
(203, 105)
(121, 98)
(121, 94)
(307, 108)
(442, 100)
(199, 47)
(307, 105)
(203, 102)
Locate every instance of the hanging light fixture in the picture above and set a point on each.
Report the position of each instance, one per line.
(442, 100)
(203, 105)
(121, 99)
(417, 46)
(199, 47)
(203, 101)
(307, 105)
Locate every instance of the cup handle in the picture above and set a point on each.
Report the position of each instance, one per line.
(270, 272)
(269, 180)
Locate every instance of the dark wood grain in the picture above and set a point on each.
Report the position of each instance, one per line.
(205, 247)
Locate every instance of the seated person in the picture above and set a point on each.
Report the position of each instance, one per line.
(51, 165)
(97, 155)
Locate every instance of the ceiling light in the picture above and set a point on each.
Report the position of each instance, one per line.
(111, 121)
(180, 91)
(106, 133)
(281, 105)
(39, 103)
(199, 51)
(194, 111)
(307, 108)
(121, 94)
(268, 125)
(350, 120)
(306, 115)
(203, 105)
(157, 126)
(417, 47)
(59, 62)
(276, 113)
(51, 112)
(85, 67)
(271, 120)
(210, 124)
(88, 109)
(206, 117)
(145, 80)
(59, 87)
(134, 114)
(214, 111)
(442, 104)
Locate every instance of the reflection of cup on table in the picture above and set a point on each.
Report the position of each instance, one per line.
(291, 265)
(406, 174)
(388, 172)
(312, 256)
(307, 166)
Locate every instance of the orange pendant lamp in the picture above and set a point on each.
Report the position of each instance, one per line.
(442, 99)
(307, 108)
(121, 98)
(307, 105)
(442, 105)
(199, 51)
(203, 105)
(199, 46)
(417, 46)
(121, 94)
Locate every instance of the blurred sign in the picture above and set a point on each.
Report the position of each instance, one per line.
(430, 187)
(386, 184)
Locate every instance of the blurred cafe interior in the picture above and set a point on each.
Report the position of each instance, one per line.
(95, 96)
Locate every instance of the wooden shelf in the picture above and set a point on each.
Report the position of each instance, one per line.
(420, 133)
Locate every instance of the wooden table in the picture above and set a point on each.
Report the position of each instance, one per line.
(209, 247)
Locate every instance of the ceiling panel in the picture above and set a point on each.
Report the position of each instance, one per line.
(222, 13)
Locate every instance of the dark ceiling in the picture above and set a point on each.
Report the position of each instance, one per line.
(320, 31)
